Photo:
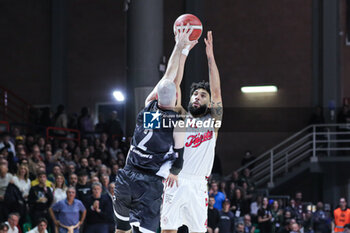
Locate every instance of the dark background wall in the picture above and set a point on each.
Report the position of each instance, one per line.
(345, 51)
(265, 42)
(25, 48)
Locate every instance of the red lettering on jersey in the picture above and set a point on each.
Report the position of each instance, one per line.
(196, 140)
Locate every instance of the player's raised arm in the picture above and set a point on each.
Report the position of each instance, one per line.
(214, 80)
(182, 41)
(179, 76)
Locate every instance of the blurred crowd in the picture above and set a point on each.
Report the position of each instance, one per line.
(42, 180)
(54, 185)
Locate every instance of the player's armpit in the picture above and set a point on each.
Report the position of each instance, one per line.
(216, 110)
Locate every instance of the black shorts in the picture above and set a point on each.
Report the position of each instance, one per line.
(138, 197)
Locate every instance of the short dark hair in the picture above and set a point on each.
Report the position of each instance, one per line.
(41, 173)
(3, 226)
(200, 85)
(40, 220)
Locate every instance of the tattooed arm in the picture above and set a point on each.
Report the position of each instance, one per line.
(214, 81)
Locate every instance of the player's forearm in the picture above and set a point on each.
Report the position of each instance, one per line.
(214, 78)
(180, 70)
(178, 163)
(173, 64)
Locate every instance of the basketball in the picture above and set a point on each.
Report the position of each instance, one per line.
(194, 22)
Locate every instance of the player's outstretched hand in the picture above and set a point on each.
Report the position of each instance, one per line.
(182, 37)
(209, 44)
(171, 180)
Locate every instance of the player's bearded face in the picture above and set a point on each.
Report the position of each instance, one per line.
(197, 111)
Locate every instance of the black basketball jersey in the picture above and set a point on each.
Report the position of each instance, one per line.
(151, 150)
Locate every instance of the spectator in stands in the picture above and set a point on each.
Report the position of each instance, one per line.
(104, 138)
(83, 188)
(341, 216)
(12, 222)
(277, 217)
(100, 127)
(113, 126)
(240, 227)
(299, 204)
(115, 169)
(239, 205)
(33, 158)
(227, 222)
(264, 217)
(285, 227)
(114, 149)
(213, 217)
(248, 226)
(295, 228)
(92, 164)
(223, 188)
(85, 122)
(230, 189)
(40, 199)
(347, 228)
(60, 120)
(29, 140)
(104, 179)
(101, 153)
(21, 180)
(49, 161)
(73, 180)
(248, 158)
(41, 145)
(95, 179)
(219, 196)
(56, 170)
(96, 205)
(102, 169)
(60, 189)
(68, 214)
(8, 156)
(248, 193)
(306, 225)
(110, 213)
(41, 227)
(247, 179)
(320, 220)
(5, 142)
(84, 166)
(70, 169)
(35, 182)
(15, 202)
(4, 228)
(254, 208)
(5, 179)
(291, 208)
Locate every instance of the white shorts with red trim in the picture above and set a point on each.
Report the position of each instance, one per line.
(186, 204)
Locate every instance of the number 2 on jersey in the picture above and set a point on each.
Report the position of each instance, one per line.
(141, 145)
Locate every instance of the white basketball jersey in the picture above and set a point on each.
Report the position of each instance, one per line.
(199, 149)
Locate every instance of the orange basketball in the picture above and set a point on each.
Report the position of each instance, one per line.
(194, 22)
